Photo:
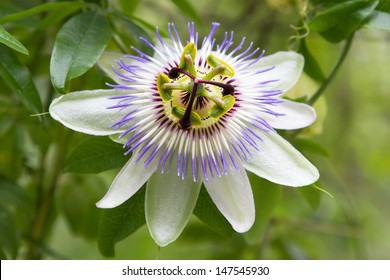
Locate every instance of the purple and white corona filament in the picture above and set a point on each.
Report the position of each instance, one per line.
(195, 112)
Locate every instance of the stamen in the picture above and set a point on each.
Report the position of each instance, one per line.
(187, 58)
(214, 61)
(217, 70)
(190, 64)
(176, 86)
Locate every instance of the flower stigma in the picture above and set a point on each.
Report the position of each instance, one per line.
(193, 95)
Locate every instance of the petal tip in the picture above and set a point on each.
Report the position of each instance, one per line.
(312, 175)
(163, 241)
(105, 203)
(244, 225)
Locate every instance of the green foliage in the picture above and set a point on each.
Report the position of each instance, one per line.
(311, 195)
(337, 22)
(124, 21)
(94, 155)
(77, 47)
(12, 197)
(208, 213)
(18, 78)
(10, 41)
(63, 7)
(118, 223)
(8, 235)
(307, 145)
(128, 6)
(77, 202)
(185, 7)
(267, 197)
(312, 67)
(384, 6)
(11, 152)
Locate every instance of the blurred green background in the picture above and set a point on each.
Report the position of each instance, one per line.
(353, 129)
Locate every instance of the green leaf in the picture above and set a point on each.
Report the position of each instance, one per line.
(379, 20)
(12, 194)
(187, 8)
(384, 6)
(306, 145)
(11, 157)
(267, 198)
(209, 214)
(148, 26)
(77, 202)
(58, 15)
(46, 7)
(128, 6)
(136, 31)
(311, 68)
(311, 195)
(94, 155)
(2, 254)
(340, 20)
(119, 222)
(18, 78)
(9, 241)
(77, 47)
(11, 41)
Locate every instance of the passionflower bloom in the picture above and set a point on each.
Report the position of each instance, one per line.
(196, 112)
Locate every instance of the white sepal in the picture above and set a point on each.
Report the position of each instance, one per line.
(88, 111)
(232, 194)
(279, 162)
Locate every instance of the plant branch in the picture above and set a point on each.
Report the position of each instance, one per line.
(326, 83)
(47, 189)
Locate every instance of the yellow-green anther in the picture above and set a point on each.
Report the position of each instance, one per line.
(190, 64)
(214, 72)
(190, 50)
(213, 97)
(214, 61)
(195, 118)
(165, 93)
(177, 86)
(178, 112)
(218, 111)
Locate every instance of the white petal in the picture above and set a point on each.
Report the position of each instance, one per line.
(129, 180)
(232, 194)
(288, 68)
(169, 204)
(87, 111)
(295, 115)
(279, 162)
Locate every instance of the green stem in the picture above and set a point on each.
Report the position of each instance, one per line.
(294, 133)
(326, 83)
(46, 194)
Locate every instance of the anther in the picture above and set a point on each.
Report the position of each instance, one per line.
(173, 73)
(176, 71)
(228, 89)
